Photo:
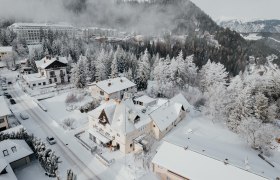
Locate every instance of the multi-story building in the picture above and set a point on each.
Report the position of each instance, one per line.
(123, 124)
(112, 88)
(4, 112)
(50, 70)
(31, 32)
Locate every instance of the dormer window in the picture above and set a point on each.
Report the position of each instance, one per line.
(14, 149)
(5, 153)
(137, 119)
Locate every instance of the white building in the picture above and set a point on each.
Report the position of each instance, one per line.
(50, 70)
(112, 88)
(180, 163)
(6, 171)
(4, 112)
(123, 125)
(31, 31)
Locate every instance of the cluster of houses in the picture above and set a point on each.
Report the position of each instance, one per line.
(122, 121)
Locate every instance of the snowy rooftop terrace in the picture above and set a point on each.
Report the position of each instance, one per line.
(214, 140)
(34, 77)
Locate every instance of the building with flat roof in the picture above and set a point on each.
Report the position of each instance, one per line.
(31, 32)
(5, 51)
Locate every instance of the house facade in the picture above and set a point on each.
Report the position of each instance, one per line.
(112, 88)
(124, 125)
(4, 112)
(50, 71)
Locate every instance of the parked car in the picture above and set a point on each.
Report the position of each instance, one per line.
(51, 140)
(12, 101)
(8, 96)
(24, 116)
(10, 82)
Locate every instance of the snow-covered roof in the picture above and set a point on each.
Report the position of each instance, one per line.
(121, 115)
(179, 98)
(4, 109)
(3, 164)
(16, 25)
(166, 114)
(21, 150)
(43, 63)
(6, 48)
(10, 175)
(145, 99)
(214, 140)
(193, 165)
(114, 85)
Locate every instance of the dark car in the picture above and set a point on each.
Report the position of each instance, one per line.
(12, 101)
(10, 82)
(8, 96)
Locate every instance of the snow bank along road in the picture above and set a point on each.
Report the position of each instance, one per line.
(28, 104)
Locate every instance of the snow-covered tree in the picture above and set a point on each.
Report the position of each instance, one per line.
(144, 70)
(261, 107)
(212, 73)
(79, 74)
(100, 66)
(114, 67)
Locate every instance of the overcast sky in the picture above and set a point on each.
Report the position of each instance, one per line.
(240, 9)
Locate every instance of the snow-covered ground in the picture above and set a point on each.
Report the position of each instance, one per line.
(214, 139)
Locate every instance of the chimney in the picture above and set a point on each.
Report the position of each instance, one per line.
(121, 80)
(226, 161)
(109, 84)
(106, 99)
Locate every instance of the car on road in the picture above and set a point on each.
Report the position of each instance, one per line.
(10, 82)
(12, 101)
(51, 140)
(8, 96)
(23, 116)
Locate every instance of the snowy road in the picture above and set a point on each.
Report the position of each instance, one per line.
(37, 125)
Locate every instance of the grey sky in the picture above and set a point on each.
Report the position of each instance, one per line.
(240, 9)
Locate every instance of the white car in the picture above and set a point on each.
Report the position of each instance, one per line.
(51, 140)
(24, 116)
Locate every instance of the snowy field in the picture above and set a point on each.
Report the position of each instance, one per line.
(57, 109)
(252, 37)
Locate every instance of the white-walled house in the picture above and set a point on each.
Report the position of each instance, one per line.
(112, 88)
(5, 51)
(117, 124)
(50, 71)
(4, 112)
(123, 124)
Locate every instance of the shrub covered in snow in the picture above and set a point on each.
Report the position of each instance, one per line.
(68, 123)
(73, 98)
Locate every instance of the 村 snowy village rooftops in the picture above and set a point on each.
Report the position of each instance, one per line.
(13, 150)
(4, 109)
(114, 85)
(213, 140)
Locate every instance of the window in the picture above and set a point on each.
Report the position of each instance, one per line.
(39, 84)
(130, 145)
(52, 74)
(42, 73)
(14, 149)
(55, 80)
(154, 125)
(50, 80)
(44, 83)
(5, 152)
(34, 84)
(101, 93)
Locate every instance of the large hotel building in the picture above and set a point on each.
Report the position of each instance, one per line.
(31, 31)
